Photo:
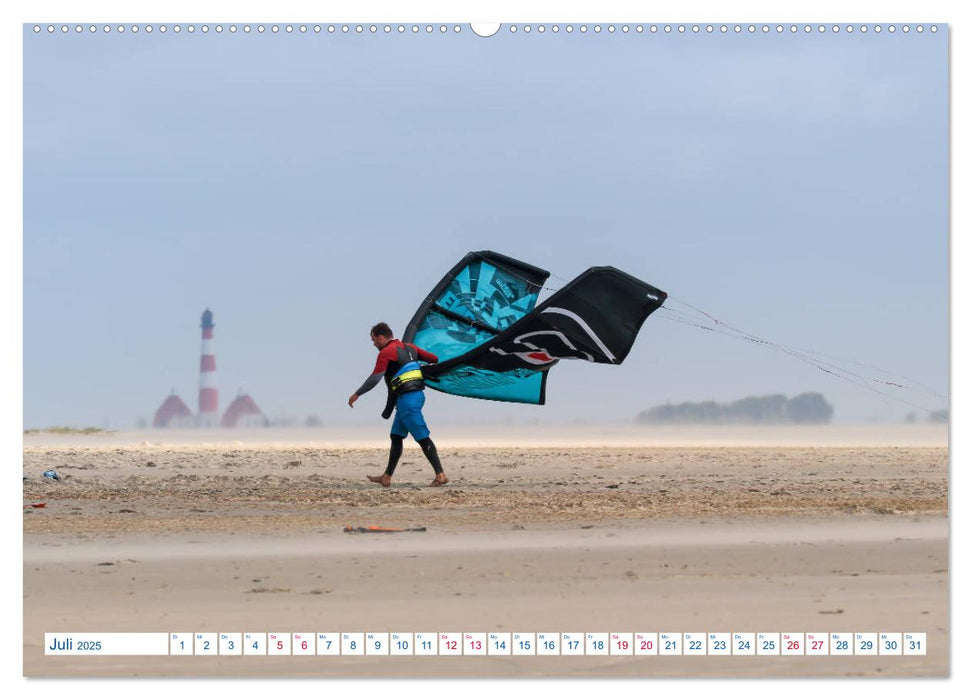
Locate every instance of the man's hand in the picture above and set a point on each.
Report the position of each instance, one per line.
(352, 399)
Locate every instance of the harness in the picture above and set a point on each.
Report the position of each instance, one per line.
(408, 377)
(413, 375)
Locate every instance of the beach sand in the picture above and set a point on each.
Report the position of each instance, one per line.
(588, 529)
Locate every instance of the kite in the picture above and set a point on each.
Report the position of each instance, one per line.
(494, 342)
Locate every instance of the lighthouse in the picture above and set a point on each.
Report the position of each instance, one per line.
(208, 393)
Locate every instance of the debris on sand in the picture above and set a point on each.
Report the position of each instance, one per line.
(378, 528)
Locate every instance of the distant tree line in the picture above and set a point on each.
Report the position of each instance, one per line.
(940, 416)
(775, 408)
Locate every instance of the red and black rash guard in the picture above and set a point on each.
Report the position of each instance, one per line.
(397, 358)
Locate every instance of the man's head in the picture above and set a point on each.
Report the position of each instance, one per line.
(381, 335)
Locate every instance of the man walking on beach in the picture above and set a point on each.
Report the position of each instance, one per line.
(398, 364)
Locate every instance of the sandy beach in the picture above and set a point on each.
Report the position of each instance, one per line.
(589, 529)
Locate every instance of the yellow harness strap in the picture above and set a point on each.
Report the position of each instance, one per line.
(404, 378)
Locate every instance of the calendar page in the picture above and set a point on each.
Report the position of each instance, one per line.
(656, 311)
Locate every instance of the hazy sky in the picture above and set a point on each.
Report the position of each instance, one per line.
(306, 186)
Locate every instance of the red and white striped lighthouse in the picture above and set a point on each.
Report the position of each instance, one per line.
(208, 393)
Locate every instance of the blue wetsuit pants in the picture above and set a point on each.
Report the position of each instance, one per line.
(408, 417)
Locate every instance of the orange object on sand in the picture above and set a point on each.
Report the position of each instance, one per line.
(378, 528)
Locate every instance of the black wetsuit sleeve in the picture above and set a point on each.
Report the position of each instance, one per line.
(369, 383)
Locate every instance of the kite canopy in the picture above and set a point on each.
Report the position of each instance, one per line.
(493, 342)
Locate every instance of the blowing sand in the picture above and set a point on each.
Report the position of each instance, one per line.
(193, 533)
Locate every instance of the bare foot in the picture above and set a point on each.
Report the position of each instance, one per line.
(384, 480)
(439, 480)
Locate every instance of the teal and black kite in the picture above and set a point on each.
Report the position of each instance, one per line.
(494, 342)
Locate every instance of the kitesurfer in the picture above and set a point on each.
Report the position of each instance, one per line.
(398, 364)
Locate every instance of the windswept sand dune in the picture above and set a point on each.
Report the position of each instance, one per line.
(242, 535)
(525, 435)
